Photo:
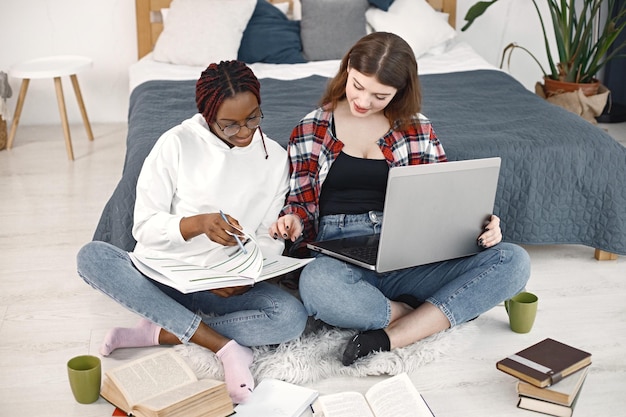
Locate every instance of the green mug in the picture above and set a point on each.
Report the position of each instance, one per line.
(522, 310)
(85, 373)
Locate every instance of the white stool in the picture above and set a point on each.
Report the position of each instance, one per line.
(52, 67)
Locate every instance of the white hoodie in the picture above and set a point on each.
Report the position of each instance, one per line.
(191, 171)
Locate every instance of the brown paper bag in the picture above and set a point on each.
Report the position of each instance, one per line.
(588, 107)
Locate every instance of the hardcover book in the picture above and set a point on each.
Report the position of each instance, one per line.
(562, 393)
(547, 407)
(163, 385)
(545, 363)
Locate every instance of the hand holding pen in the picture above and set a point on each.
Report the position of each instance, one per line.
(237, 238)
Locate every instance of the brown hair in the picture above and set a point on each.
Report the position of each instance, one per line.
(221, 81)
(390, 59)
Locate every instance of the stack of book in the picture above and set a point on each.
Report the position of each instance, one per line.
(556, 400)
(551, 375)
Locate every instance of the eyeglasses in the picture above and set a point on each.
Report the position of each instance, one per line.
(251, 123)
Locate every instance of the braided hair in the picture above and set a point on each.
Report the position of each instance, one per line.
(222, 81)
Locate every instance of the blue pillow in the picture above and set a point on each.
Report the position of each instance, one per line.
(381, 4)
(271, 37)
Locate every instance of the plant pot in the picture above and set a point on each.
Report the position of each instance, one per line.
(553, 87)
(587, 106)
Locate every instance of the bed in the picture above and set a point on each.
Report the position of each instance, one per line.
(562, 180)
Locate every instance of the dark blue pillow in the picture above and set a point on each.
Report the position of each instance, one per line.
(381, 4)
(271, 37)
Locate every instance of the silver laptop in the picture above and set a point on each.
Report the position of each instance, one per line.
(432, 212)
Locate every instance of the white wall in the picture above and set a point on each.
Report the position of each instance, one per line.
(105, 31)
(505, 22)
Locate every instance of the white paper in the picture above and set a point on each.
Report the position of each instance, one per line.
(276, 398)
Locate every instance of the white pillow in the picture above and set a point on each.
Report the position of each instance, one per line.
(413, 20)
(283, 7)
(200, 32)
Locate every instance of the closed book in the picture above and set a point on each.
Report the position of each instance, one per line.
(562, 392)
(547, 407)
(276, 398)
(545, 363)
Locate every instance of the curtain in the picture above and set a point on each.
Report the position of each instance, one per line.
(615, 78)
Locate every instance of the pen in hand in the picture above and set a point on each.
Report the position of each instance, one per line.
(233, 234)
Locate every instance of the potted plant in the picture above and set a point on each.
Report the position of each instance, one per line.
(582, 50)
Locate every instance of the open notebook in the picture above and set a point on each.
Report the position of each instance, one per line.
(432, 212)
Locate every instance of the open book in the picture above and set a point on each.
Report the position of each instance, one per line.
(162, 384)
(237, 267)
(393, 397)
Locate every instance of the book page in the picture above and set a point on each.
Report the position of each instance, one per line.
(344, 404)
(185, 277)
(151, 376)
(276, 398)
(274, 266)
(269, 266)
(234, 268)
(179, 394)
(397, 396)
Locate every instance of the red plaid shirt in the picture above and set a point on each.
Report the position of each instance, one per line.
(313, 148)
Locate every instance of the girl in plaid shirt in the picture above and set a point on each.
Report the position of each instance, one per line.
(340, 155)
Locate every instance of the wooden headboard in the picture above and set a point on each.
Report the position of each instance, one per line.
(150, 24)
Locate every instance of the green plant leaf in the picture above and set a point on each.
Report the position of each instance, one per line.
(581, 50)
(476, 11)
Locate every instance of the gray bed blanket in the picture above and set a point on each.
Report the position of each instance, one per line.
(562, 180)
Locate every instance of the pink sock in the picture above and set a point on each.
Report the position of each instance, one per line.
(145, 333)
(236, 360)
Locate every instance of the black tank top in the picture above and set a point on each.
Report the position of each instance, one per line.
(354, 185)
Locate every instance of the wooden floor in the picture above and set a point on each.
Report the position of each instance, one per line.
(50, 206)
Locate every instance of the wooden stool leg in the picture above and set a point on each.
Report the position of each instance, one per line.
(81, 105)
(64, 122)
(18, 111)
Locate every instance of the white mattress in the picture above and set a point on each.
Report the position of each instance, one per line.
(458, 56)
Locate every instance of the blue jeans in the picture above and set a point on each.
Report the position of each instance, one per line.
(264, 315)
(349, 296)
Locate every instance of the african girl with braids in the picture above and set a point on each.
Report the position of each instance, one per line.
(216, 160)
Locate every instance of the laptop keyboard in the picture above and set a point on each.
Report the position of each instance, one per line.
(366, 254)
